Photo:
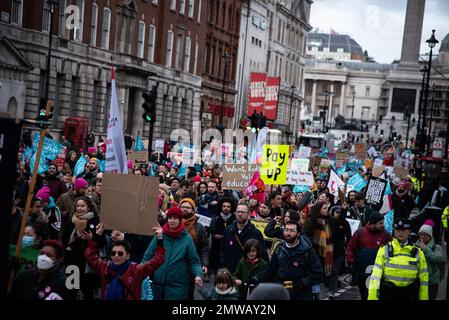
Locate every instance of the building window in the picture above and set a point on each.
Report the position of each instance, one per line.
(107, 107)
(195, 63)
(16, 12)
(191, 4)
(168, 53)
(187, 55)
(63, 31)
(351, 90)
(178, 53)
(46, 18)
(365, 113)
(73, 91)
(367, 91)
(151, 42)
(93, 25)
(141, 40)
(106, 28)
(182, 6)
(78, 31)
(173, 5)
(199, 11)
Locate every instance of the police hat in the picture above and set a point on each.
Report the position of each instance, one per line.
(402, 224)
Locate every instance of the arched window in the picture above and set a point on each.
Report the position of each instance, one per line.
(12, 107)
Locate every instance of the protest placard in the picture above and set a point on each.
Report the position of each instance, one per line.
(138, 156)
(360, 151)
(129, 203)
(378, 170)
(274, 164)
(204, 216)
(334, 184)
(188, 157)
(238, 176)
(342, 155)
(60, 159)
(372, 152)
(159, 146)
(300, 178)
(301, 165)
(356, 182)
(375, 191)
(368, 163)
(400, 172)
(260, 225)
(378, 162)
(304, 152)
(27, 257)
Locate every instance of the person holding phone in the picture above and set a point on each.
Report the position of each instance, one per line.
(120, 278)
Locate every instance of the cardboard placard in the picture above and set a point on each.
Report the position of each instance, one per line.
(400, 172)
(378, 170)
(375, 191)
(342, 155)
(274, 164)
(238, 176)
(129, 203)
(138, 156)
(368, 163)
(300, 178)
(360, 151)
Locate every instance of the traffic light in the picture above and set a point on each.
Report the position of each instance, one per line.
(149, 105)
(44, 121)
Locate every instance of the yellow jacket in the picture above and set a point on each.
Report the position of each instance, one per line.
(416, 184)
(445, 217)
(402, 269)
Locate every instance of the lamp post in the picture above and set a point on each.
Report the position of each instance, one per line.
(291, 107)
(51, 9)
(327, 95)
(432, 43)
(408, 115)
(352, 113)
(226, 57)
(429, 136)
(421, 115)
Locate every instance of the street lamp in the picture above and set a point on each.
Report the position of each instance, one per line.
(432, 43)
(226, 57)
(51, 9)
(327, 95)
(352, 113)
(421, 115)
(408, 115)
(432, 104)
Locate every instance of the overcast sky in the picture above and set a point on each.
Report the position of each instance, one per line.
(377, 25)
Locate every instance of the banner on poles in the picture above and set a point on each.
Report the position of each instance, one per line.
(256, 94)
(274, 164)
(271, 97)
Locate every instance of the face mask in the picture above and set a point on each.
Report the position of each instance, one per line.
(27, 241)
(44, 262)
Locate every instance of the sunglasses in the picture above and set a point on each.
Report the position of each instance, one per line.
(117, 253)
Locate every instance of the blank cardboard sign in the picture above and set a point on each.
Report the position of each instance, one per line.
(129, 203)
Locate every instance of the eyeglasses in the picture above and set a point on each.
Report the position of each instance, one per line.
(242, 211)
(117, 253)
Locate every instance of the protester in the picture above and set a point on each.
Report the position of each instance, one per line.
(224, 289)
(362, 250)
(90, 172)
(120, 278)
(360, 211)
(434, 257)
(47, 281)
(235, 237)
(171, 280)
(66, 200)
(403, 201)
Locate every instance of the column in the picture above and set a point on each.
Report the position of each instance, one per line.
(342, 97)
(331, 101)
(313, 97)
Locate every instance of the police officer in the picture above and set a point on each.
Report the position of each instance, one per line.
(400, 269)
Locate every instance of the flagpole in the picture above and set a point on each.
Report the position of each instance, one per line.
(30, 192)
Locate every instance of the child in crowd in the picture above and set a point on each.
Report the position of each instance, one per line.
(224, 288)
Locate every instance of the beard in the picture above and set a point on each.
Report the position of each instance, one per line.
(291, 240)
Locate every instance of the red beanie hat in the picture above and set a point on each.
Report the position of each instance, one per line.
(197, 178)
(175, 211)
(80, 183)
(44, 194)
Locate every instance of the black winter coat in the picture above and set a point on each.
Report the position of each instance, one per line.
(231, 246)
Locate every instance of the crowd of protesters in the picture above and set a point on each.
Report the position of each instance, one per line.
(307, 241)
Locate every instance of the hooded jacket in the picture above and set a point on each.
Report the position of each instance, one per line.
(299, 264)
(214, 294)
(231, 246)
(172, 279)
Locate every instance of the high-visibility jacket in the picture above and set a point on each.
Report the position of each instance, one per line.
(445, 217)
(402, 269)
(416, 184)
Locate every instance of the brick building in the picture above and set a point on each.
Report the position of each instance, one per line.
(147, 40)
(222, 39)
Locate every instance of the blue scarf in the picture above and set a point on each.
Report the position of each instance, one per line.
(115, 289)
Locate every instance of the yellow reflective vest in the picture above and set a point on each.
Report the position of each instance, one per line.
(402, 269)
(416, 185)
(445, 217)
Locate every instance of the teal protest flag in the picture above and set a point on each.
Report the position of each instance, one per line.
(138, 144)
(341, 170)
(182, 170)
(102, 165)
(389, 221)
(356, 182)
(298, 189)
(50, 151)
(79, 166)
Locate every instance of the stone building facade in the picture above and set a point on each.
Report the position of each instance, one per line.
(147, 41)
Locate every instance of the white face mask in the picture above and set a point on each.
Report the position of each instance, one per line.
(44, 262)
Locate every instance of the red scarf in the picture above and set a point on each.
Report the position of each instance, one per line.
(252, 261)
(173, 233)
